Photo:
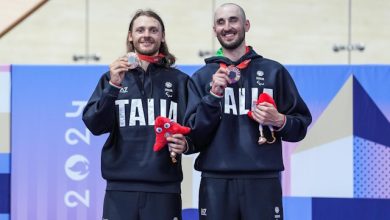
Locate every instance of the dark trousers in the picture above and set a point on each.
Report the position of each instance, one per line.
(240, 199)
(123, 205)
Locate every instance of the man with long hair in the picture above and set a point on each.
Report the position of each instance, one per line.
(141, 184)
(240, 172)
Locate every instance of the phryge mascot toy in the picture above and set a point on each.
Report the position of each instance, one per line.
(165, 127)
(264, 97)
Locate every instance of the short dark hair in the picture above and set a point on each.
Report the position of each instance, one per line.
(169, 58)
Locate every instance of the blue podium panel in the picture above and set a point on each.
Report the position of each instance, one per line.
(357, 209)
(297, 208)
(5, 146)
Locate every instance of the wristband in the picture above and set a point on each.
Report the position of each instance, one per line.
(215, 95)
(115, 85)
(187, 147)
(284, 123)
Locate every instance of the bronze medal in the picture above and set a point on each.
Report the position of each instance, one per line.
(234, 74)
(133, 60)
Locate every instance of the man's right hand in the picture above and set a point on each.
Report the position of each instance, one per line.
(219, 82)
(118, 69)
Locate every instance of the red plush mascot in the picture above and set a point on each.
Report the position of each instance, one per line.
(264, 97)
(165, 127)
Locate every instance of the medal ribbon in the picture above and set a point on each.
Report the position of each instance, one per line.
(151, 59)
(240, 66)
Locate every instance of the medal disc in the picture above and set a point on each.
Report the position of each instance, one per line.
(132, 59)
(234, 74)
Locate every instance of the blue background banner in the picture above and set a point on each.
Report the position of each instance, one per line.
(56, 161)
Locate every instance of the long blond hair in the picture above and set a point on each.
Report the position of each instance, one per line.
(169, 58)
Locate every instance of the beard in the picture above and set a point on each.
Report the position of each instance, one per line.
(233, 44)
(150, 51)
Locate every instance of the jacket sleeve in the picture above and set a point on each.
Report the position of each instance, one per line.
(203, 114)
(99, 113)
(290, 103)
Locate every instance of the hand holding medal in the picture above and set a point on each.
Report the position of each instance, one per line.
(134, 60)
(219, 81)
(232, 74)
(233, 71)
(224, 75)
